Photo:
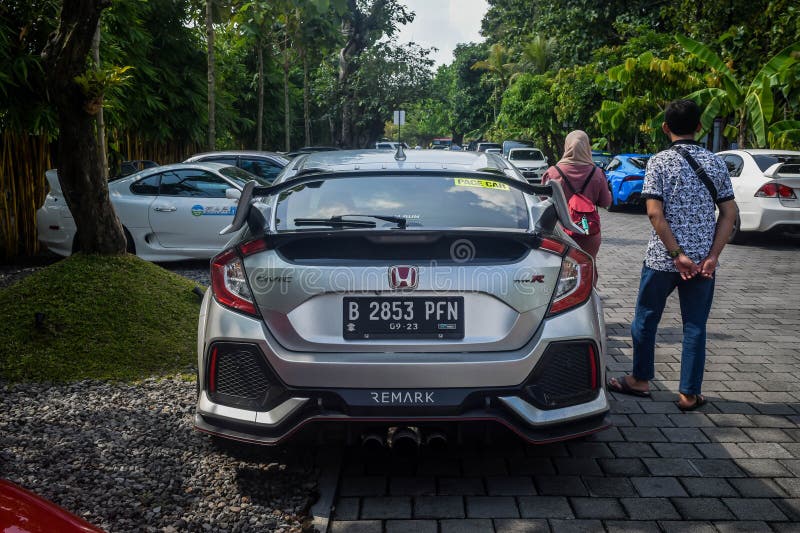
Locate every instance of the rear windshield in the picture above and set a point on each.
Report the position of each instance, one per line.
(526, 155)
(764, 161)
(424, 201)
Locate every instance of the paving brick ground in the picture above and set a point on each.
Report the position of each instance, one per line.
(732, 466)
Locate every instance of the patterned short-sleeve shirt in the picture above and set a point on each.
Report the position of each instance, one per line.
(688, 206)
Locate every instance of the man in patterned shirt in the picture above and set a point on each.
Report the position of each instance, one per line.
(681, 186)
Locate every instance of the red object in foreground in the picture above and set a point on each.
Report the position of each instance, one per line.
(22, 511)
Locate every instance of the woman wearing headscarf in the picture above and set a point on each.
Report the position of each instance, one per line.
(577, 173)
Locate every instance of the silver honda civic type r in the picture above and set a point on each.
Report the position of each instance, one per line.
(370, 290)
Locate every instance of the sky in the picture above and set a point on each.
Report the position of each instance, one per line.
(443, 24)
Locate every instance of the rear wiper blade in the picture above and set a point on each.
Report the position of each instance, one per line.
(400, 221)
(334, 221)
(340, 220)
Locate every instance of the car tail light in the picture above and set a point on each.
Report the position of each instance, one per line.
(229, 282)
(633, 178)
(775, 190)
(553, 246)
(574, 282)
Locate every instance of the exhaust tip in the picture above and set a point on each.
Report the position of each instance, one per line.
(373, 443)
(436, 441)
(405, 441)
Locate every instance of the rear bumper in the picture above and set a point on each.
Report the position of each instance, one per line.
(304, 414)
(630, 192)
(479, 387)
(769, 215)
(55, 232)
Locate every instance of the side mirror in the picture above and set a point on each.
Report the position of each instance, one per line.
(233, 194)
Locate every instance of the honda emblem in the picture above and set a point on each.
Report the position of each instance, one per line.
(403, 277)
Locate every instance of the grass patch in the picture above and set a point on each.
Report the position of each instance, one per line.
(115, 318)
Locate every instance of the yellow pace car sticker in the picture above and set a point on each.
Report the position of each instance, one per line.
(485, 184)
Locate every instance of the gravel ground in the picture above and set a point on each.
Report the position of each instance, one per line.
(125, 457)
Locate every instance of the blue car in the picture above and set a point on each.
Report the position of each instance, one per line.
(625, 174)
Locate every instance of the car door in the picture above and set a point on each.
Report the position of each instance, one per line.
(191, 209)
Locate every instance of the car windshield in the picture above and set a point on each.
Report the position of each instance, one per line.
(241, 177)
(526, 155)
(764, 161)
(639, 162)
(424, 201)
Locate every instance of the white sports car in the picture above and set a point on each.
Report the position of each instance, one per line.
(766, 184)
(168, 213)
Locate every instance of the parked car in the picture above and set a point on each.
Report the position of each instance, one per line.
(168, 213)
(497, 151)
(425, 294)
(601, 159)
(625, 174)
(482, 147)
(266, 165)
(766, 184)
(530, 161)
(508, 145)
(22, 511)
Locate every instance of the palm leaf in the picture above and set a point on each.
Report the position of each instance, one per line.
(779, 63)
(756, 119)
(707, 56)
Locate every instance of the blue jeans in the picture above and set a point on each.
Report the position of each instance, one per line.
(695, 295)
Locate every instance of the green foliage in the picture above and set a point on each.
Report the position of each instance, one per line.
(117, 318)
(752, 105)
(94, 83)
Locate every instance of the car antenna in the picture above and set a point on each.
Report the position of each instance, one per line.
(399, 155)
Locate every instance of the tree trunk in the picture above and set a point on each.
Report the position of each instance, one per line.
(80, 169)
(287, 122)
(306, 100)
(101, 125)
(260, 117)
(212, 133)
(742, 137)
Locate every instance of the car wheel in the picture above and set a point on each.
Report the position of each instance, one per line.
(613, 208)
(737, 236)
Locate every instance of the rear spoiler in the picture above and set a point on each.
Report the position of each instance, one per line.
(253, 190)
(774, 171)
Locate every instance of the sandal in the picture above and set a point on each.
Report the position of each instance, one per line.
(620, 386)
(699, 401)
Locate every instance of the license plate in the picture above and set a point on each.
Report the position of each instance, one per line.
(436, 318)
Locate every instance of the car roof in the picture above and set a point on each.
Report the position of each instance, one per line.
(224, 153)
(207, 165)
(370, 160)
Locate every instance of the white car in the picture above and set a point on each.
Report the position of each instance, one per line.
(168, 213)
(530, 161)
(766, 184)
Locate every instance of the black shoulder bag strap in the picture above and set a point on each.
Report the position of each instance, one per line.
(700, 171)
(588, 179)
(585, 183)
(565, 180)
